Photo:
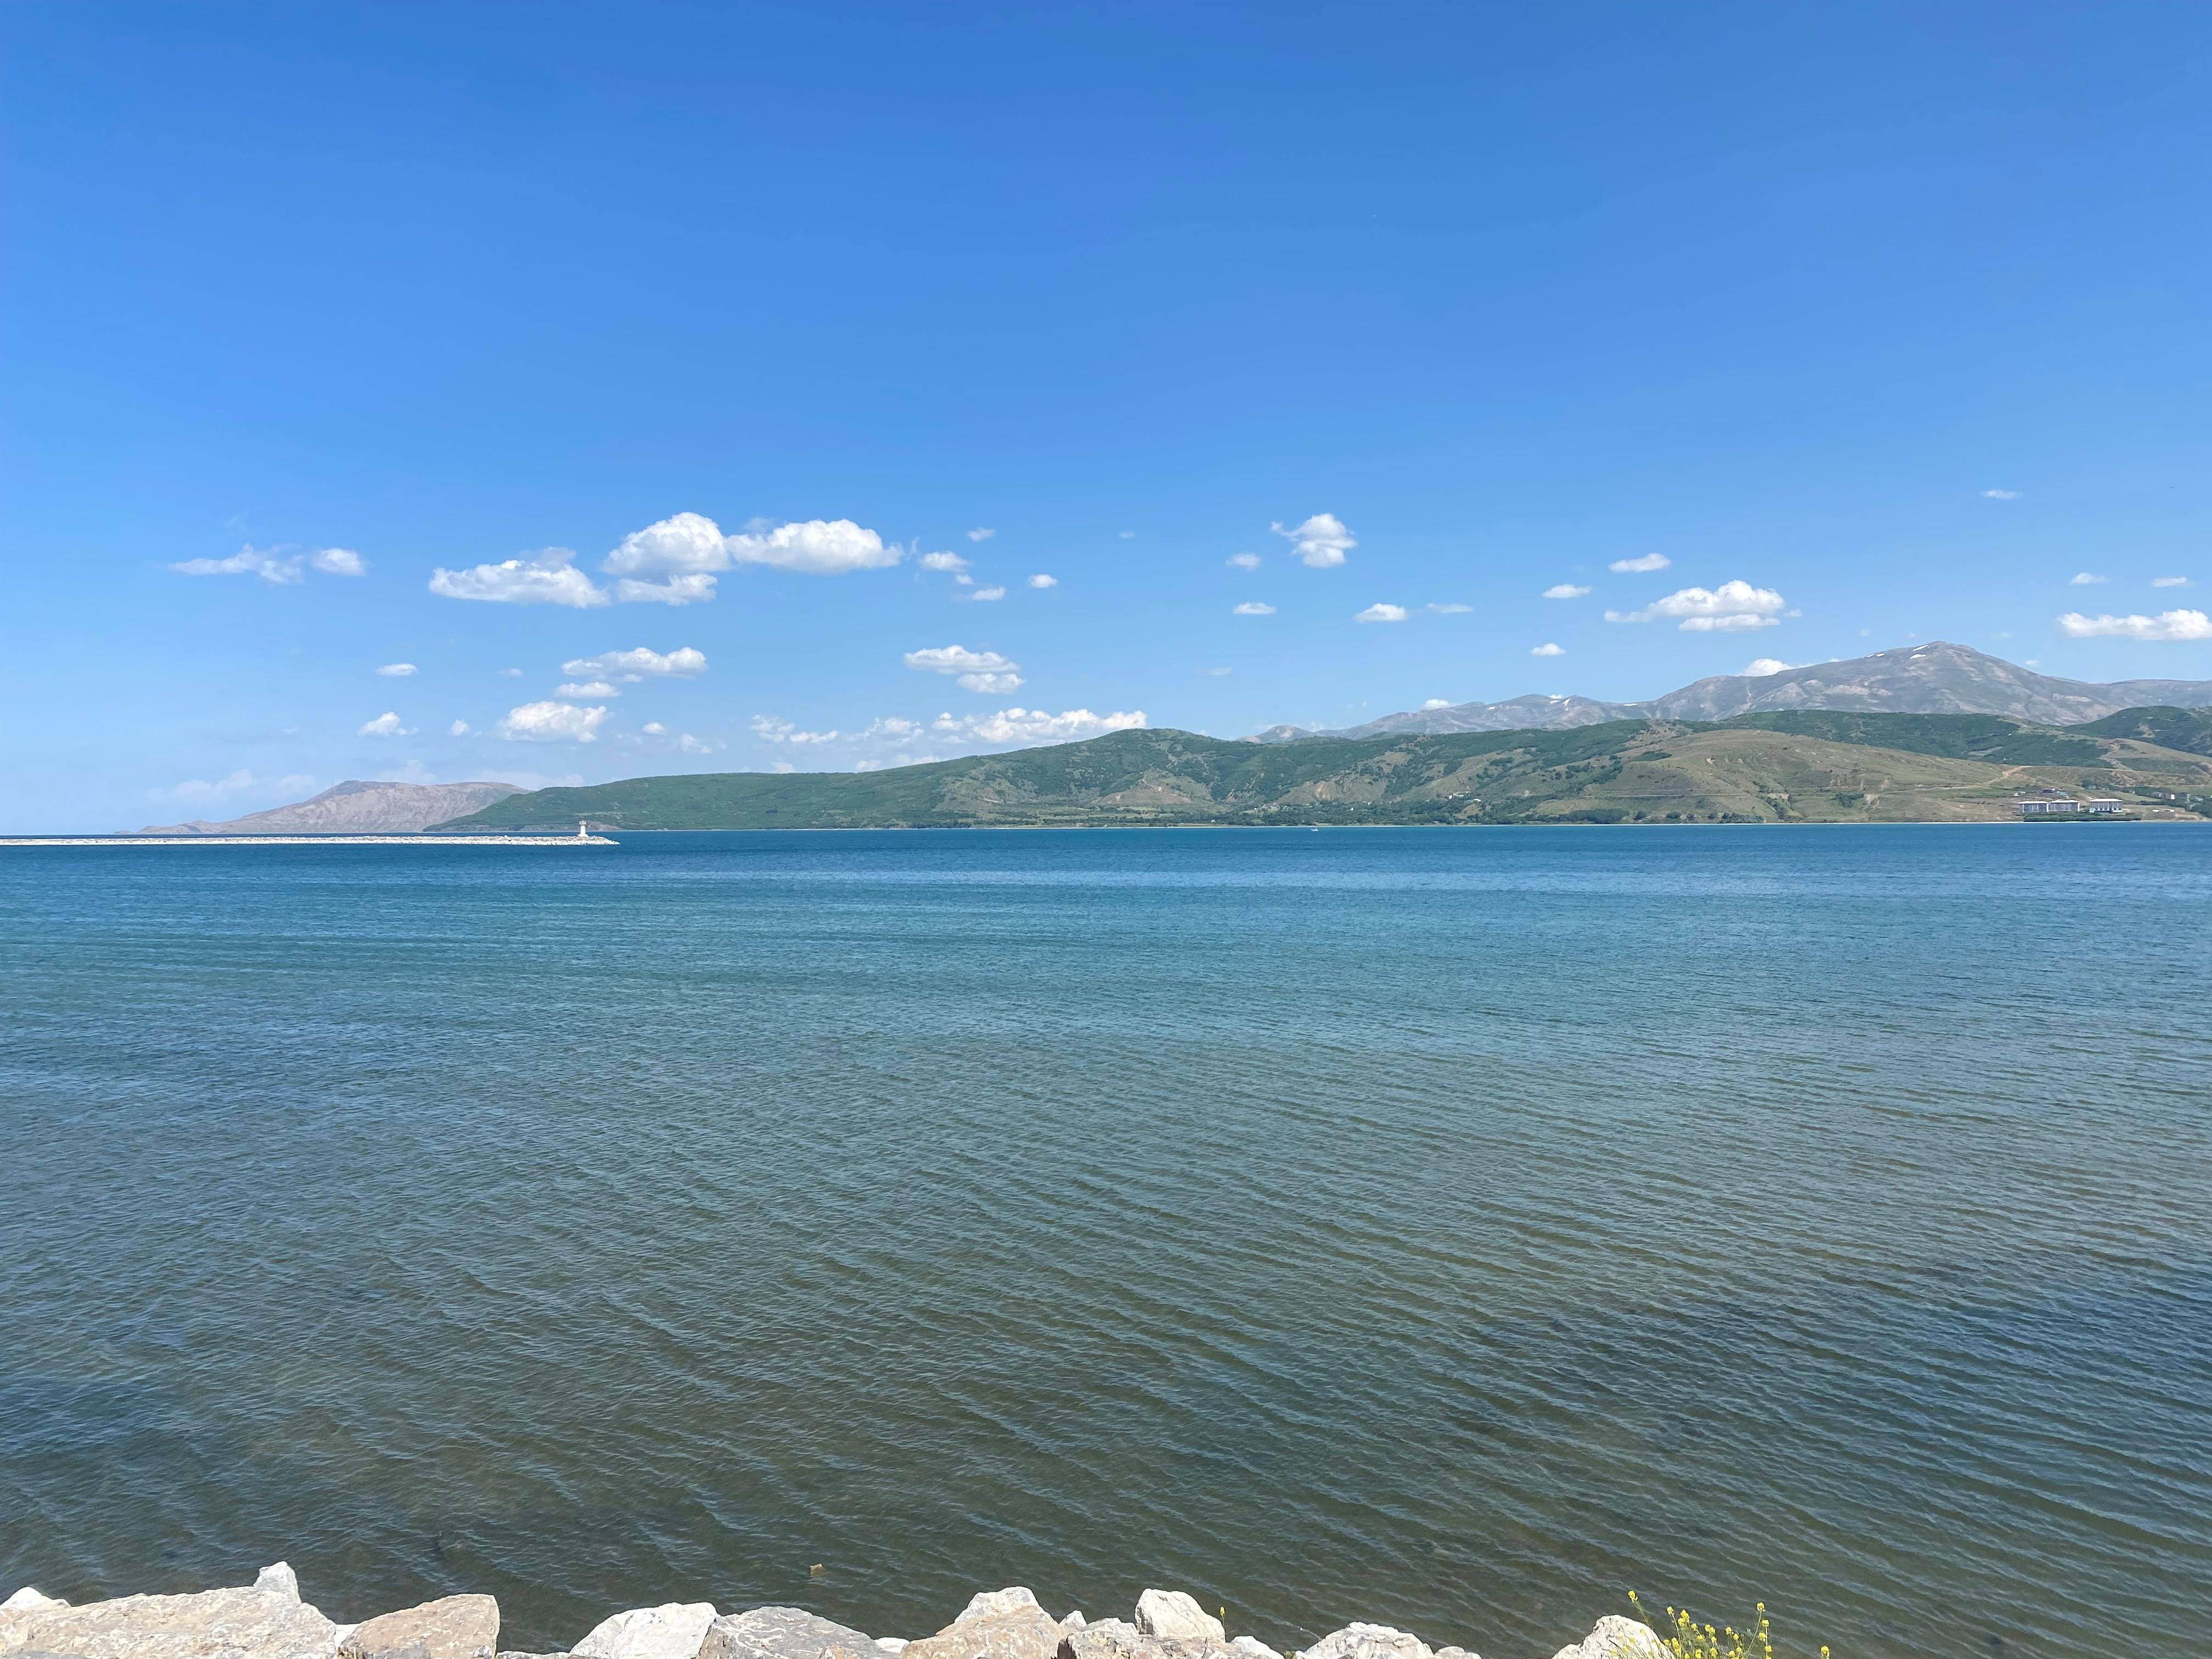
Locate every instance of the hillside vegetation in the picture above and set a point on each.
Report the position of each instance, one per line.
(1812, 766)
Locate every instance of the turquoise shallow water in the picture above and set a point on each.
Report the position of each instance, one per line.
(1448, 1227)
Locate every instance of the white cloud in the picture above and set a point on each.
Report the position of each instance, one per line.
(2169, 582)
(1379, 612)
(547, 576)
(993, 684)
(1547, 649)
(2085, 579)
(386, 725)
(819, 547)
(240, 783)
(510, 673)
(976, 671)
(272, 565)
(1759, 667)
(654, 729)
(553, 722)
(2167, 626)
(1243, 561)
(457, 729)
(1030, 725)
(691, 745)
(640, 663)
(1633, 567)
(982, 533)
(1733, 607)
(676, 560)
(1564, 591)
(1252, 608)
(585, 691)
(1435, 702)
(987, 593)
(1322, 541)
(2001, 494)
(397, 670)
(769, 729)
(1043, 581)
(943, 561)
(1452, 609)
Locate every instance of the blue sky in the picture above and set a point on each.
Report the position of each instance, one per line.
(1893, 316)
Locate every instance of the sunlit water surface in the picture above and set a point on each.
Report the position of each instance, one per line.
(1452, 1228)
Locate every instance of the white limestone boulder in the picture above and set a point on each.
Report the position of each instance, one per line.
(984, 1604)
(673, 1629)
(224, 1623)
(784, 1633)
(1615, 1638)
(1369, 1642)
(1176, 1616)
(451, 1627)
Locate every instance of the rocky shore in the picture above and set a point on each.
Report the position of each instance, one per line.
(269, 1620)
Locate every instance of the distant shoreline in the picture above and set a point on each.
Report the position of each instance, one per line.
(396, 839)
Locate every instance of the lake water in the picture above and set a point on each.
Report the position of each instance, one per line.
(1454, 1229)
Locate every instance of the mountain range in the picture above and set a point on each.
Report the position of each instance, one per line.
(1936, 678)
(1791, 766)
(354, 806)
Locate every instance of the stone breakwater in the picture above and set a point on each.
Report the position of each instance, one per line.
(269, 1620)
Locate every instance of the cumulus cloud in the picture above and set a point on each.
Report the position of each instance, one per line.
(945, 562)
(1547, 649)
(770, 729)
(2169, 582)
(553, 722)
(2165, 627)
(2087, 578)
(2001, 494)
(1435, 702)
(1032, 725)
(586, 690)
(1733, 607)
(457, 729)
(386, 725)
(982, 533)
(676, 560)
(1759, 667)
(547, 576)
(1043, 581)
(654, 729)
(1452, 609)
(987, 594)
(640, 663)
(275, 565)
(691, 745)
(1243, 561)
(1636, 567)
(1564, 591)
(1381, 613)
(975, 670)
(1322, 541)
(1252, 608)
(397, 670)
(510, 673)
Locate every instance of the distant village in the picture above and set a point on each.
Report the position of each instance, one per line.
(2050, 803)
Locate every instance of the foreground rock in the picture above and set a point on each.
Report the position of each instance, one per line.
(783, 1633)
(1369, 1642)
(1176, 1616)
(1020, 1632)
(671, 1631)
(451, 1627)
(1615, 1638)
(263, 1623)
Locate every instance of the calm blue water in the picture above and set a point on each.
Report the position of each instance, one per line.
(1450, 1228)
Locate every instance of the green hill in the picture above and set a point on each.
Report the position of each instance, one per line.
(1804, 766)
